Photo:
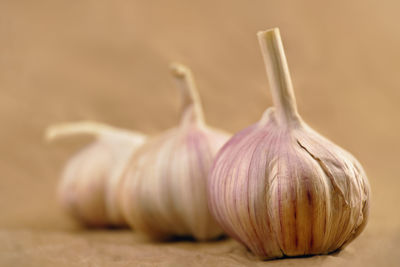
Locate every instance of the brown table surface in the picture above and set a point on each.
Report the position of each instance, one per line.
(108, 61)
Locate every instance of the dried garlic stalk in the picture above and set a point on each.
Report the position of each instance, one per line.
(164, 192)
(279, 187)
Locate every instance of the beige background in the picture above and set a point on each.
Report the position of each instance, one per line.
(108, 61)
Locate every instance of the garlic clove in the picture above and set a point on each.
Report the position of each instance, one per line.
(91, 180)
(164, 191)
(280, 188)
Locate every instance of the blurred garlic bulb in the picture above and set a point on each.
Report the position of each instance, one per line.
(91, 180)
(164, 190)
(279, 187)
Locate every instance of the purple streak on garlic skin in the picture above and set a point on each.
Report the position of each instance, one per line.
(170, 198)
(280, 188)
(164, 193)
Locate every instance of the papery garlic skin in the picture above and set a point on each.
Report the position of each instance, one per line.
(288, 193)
(164, 191)
(280, 188)
(91, 180)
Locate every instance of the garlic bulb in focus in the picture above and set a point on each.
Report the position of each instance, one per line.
(279, 187)
(91, 180)
(164, 190)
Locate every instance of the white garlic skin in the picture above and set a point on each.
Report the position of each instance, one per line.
(91, 179)
(164, 192)
(279, 187)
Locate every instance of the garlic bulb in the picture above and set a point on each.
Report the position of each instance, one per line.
(164, 190)
(279, 187)
(90, 184)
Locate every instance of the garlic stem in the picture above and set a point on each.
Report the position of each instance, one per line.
(184, 78)
(79, 128)
(278, 76)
